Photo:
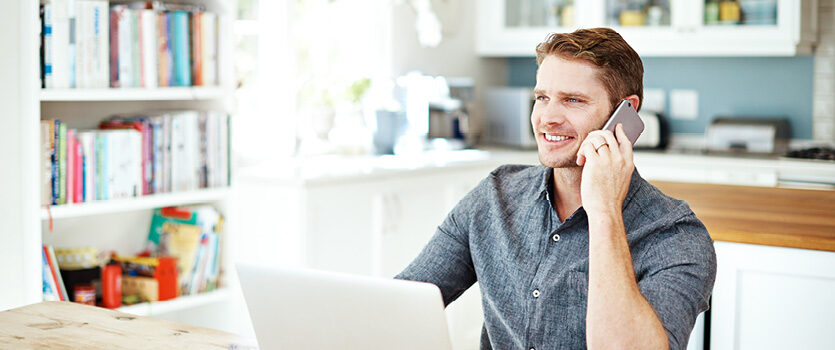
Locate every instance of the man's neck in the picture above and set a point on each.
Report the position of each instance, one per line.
(566, 191)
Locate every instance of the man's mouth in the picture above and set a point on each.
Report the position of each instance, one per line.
(556, 137)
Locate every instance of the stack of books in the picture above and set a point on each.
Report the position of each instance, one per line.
(88, 44)
(134, 155)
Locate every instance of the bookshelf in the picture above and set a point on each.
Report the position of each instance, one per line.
(195, 93)
(133, 204)
(107, 224)
(179, 304)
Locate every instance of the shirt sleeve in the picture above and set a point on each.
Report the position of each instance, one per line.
(680, 278)
(445, 261)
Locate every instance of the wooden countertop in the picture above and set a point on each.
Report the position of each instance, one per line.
(779, 217)
(65, 325)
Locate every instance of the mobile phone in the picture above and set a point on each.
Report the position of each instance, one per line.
(625, 114)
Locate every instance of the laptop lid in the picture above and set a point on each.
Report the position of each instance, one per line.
(307, 309)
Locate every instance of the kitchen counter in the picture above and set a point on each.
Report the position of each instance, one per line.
(654, 165)
(781, 217)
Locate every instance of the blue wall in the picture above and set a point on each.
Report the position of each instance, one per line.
(739, 86)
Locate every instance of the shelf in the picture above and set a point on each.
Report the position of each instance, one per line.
(135, 203)
(134, 94)
(179, 303)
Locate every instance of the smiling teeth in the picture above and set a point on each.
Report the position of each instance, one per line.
(556, 138)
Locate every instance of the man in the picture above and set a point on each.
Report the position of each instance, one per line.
(581, 251)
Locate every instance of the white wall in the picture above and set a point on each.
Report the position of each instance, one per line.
(19, 231)
(455, 56)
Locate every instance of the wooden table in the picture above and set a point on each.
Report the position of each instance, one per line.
(65, 325)
(779, 217)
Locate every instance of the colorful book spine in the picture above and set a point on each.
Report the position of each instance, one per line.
(47, 34)
(78, 192)
(181, 48)
(56, 160)
(115, 13)
(62, 164)
(70, 161)
(165, 65)
(136, 63)
(50, 289)
(46, 162)
(197, 49)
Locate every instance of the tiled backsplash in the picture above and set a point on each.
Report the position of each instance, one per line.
(823, 117)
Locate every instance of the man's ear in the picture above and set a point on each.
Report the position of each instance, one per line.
(635, 101)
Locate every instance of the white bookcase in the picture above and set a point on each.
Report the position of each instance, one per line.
(119, 225)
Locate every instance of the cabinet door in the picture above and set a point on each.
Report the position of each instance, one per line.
(514, 27)
(656, 28)
(338, 227)
(772, 298)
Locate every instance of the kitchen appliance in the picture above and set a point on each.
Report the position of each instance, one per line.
(820, 153)
(448, 114)
(508, 123)
(748, 135)
(656, 133)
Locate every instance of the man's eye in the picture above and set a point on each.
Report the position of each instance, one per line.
(541, 98)
(572, 99)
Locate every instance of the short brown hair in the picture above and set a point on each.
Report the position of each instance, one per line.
(622, 72)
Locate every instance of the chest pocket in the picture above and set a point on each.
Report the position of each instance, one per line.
(578, 288)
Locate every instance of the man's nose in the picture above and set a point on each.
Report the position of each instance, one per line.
(552, 114)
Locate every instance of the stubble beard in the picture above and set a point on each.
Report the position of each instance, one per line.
(561, 161)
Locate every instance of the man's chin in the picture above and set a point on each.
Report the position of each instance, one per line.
(558, 162)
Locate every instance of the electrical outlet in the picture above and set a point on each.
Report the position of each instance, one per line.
(684, 104)
(653, 100)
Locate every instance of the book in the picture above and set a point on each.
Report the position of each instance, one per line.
(50, 289)
(181, 47)
(56, 173)
(125, 35)
(87, 141)
(208, 46)
(78, 185)
(148, 48)
(47, 35)
(196, 48)
(70, 161)
(60, 49)
(166, 61)
(46, 162)
(62, 163)
(55, 273)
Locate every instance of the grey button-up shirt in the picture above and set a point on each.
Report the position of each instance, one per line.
(534, 285)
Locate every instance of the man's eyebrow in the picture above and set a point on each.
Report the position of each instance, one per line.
(574, 94)
(577, 94)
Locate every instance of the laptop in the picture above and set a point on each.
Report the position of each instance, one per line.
(307, 309)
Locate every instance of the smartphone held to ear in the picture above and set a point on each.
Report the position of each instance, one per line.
(632, 124)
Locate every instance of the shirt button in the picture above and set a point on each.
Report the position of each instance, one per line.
(556, 237)
(536, 293)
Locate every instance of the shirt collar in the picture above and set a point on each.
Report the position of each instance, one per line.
(546, 178)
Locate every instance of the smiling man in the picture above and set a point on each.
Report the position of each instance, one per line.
(580, 251)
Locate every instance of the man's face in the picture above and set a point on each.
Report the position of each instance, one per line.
(570, 103)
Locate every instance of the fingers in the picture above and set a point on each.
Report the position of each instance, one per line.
(586, 151)
(612, 150)
(624, 143)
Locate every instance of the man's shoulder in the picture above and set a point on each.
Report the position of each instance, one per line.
(514, 180)
(655, 205)
(518, 173)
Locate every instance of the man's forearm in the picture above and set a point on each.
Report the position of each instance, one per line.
(618, 316)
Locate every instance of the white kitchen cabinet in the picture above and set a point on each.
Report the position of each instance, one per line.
(772, 298)
(512, 28)
(373, 225)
